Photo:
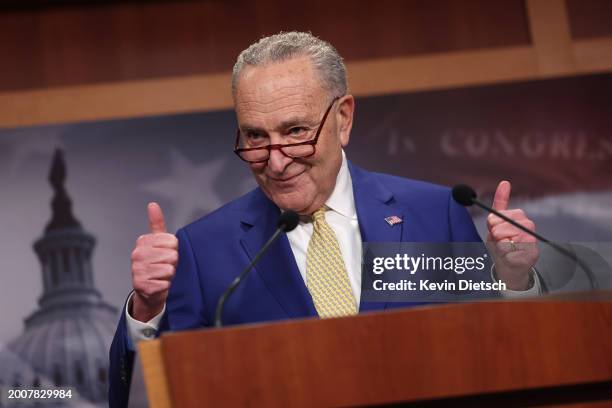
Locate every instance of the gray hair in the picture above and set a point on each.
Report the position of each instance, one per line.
(284, 46)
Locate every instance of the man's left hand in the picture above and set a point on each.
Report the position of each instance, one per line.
(514, 251)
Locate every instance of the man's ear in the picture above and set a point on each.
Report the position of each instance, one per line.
(344, 117)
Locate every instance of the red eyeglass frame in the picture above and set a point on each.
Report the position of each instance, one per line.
(279, 146)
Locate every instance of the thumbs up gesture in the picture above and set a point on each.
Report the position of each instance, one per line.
(154, 261)
(514, 251)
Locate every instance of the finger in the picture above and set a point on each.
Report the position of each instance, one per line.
(507, 247)
(158, 240)
(161, 272)
(156, 218)
(148, 256)
(502, 196)
(163, 256)
(509, 231)
(516, 214)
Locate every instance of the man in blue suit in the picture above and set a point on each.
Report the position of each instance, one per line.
(294, 117)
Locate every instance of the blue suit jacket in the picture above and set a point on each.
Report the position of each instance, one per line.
(214, 249)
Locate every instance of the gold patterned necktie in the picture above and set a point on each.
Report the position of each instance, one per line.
(326, 276)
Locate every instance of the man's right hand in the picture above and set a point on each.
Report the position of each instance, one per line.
(154, 261)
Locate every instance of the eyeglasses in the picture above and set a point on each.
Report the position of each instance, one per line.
(260, 154)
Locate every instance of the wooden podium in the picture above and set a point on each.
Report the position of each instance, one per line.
(480, 354)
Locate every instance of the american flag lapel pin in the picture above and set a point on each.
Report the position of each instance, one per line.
(393, 220)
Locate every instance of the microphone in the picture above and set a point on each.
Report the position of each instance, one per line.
(287, 221)
(466, 196)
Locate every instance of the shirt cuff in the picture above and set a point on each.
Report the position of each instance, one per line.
(138, 330)
(533, 291)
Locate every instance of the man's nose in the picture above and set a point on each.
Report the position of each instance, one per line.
(278, 162)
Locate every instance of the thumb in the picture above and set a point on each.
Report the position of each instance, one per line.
(502, 196)
(156, 218)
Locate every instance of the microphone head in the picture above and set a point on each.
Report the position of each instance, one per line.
(288, 220)
(464, 195)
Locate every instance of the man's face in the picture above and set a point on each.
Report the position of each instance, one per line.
(277, 99)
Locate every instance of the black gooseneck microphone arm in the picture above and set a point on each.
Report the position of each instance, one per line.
(466, 196)
(286, 222)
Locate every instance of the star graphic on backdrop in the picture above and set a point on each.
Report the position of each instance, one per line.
(189, 187)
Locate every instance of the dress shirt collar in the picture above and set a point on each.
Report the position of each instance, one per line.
(341, 199)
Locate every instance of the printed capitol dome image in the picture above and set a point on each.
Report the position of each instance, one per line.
(65, 341)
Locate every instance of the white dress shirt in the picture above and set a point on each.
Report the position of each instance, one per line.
(342, 217)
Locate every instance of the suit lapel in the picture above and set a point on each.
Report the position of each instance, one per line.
(277, 268)
(374, 202)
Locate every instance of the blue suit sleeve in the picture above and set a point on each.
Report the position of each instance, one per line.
(121, 358)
